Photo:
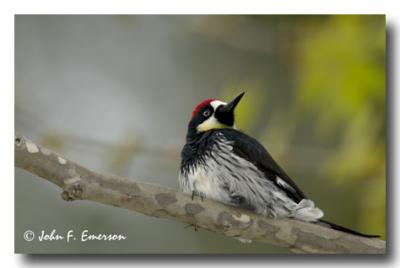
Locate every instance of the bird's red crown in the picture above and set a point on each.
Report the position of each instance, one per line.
(201, 105)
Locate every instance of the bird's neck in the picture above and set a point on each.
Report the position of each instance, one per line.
(193, 135)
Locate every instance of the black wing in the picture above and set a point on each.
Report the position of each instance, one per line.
(254, 152)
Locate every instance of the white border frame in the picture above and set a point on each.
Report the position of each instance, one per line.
(7, 11)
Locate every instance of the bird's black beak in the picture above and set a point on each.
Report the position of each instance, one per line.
(230, 107)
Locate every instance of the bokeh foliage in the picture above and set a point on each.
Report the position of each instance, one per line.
(341, 79)
(337, 99)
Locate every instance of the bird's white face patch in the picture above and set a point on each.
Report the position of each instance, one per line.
(216, 103)
(212, 122)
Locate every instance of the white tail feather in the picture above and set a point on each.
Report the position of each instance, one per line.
(307, 211)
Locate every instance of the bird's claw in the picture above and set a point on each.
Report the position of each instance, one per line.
(195, 226)
(199, 194)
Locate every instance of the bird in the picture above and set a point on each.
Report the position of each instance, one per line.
(221, 162)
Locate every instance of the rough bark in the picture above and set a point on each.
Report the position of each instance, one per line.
(80, 183)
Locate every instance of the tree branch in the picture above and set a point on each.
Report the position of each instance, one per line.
(78, 182)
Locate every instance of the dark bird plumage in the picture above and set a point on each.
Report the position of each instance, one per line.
(225, 164)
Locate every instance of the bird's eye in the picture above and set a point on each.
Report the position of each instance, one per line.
(207, 113)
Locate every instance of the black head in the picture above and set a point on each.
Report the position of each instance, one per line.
(213, 114)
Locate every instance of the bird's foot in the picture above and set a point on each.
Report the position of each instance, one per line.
(199, 194)
(195, 226)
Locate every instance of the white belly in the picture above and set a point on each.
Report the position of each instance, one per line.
(205, 182)
(224, 175)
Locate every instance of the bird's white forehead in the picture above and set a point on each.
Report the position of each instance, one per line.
(216, 103)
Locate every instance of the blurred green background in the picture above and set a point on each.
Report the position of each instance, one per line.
(115, 93)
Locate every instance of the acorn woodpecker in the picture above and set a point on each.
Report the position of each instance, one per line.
(222, 163)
